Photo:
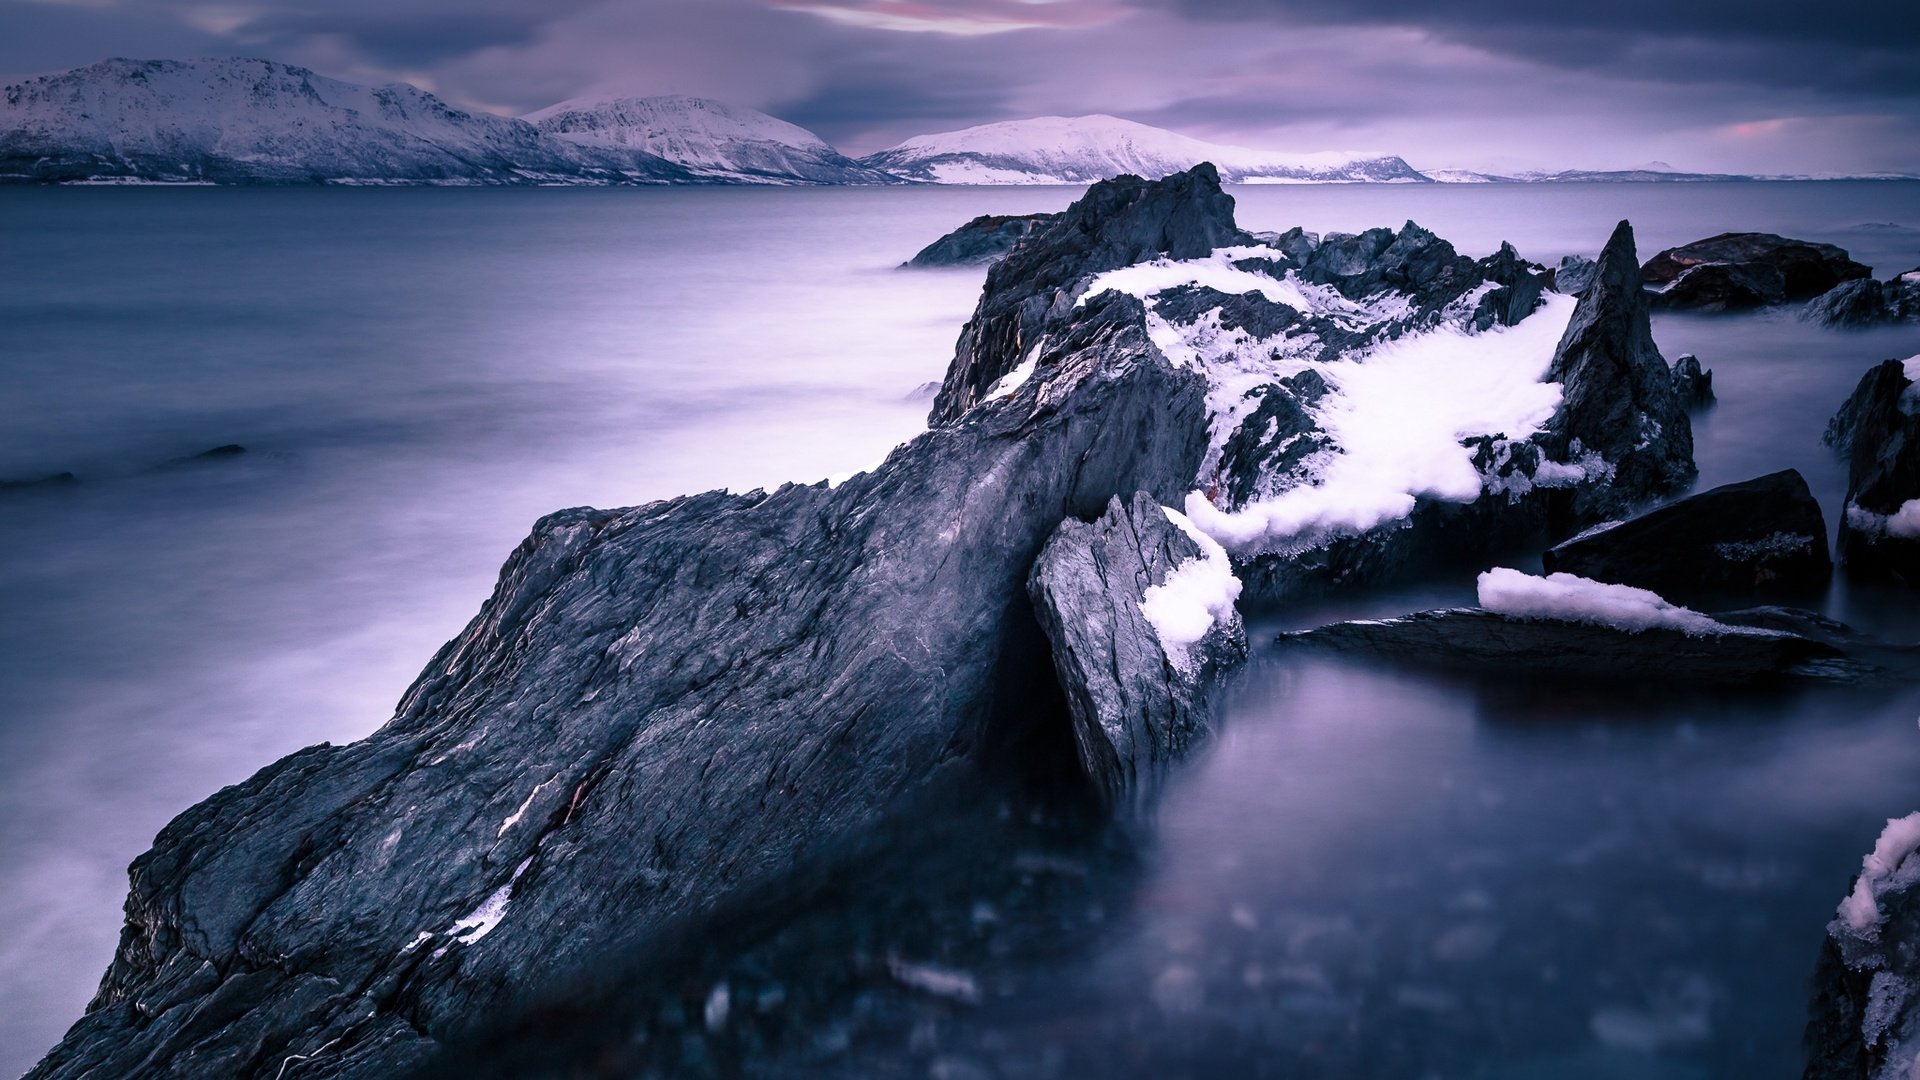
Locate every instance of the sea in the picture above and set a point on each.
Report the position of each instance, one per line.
(1365, 872)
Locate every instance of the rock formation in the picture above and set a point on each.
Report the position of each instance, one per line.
(1138, 691)
(1864, 1023)
(983, 240)
(1866, 302)
(1759, 537)
(1745, 270)
(1877, 432)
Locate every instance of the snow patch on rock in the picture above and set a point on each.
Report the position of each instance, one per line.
(1571, 598)
(1197, 595)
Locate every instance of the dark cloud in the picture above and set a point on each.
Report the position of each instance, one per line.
(53, 37)
(398, 37)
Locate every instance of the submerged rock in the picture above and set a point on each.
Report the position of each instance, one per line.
(980, 241)
(1764, 536)
(1877, 432)
(1864, 1019)
(1138, 609)
(664, 716)
(1744, 270)
(1865, 302)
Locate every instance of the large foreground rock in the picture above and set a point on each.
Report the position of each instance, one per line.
(1138, 698)
(980, 241)
(1864, 1020)
(1759, 537)
(1877, 432)
(1744, 270)
(664, 716)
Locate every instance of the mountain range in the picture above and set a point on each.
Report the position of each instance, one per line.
(244, 121)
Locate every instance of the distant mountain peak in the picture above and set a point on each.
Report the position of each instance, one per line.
(1082, 149)
(710, 137)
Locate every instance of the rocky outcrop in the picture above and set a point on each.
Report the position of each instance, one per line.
(1693, 385)
(1864, 1020)
(1745, 270)
(1864, 302)
(1138, 610)
(1760, 537)
(1474, 640)
(1573, 275)
(1118, 222)
(1877, 432)
(980, 241)
(664, 716)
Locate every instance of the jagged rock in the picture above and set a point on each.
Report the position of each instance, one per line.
(1757, 537)
(1693, 385)
(1269, 448)
(1470, 639)
(1116, 223)
(1521, 285)
(664, 716)
(1137, 701)
(982, 240)
(1864, 1019)
(1865, 302)
(1740, 270)
(1573, 275)
(1619, 400)
(1877, 432)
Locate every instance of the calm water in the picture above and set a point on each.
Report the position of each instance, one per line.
(1367, 873)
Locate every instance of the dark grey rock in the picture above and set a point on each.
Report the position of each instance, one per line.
(664, 716)
(1865, 302)
(1693, 385)
(1877, 432)
(1573, 275)
(983, 240)
(1864, 1017)
(1764, 536)
(1135, 708)
(1738, 270)
(1116, 223)
(1520, 287)
(1470, 639)
(1619, 400)
(1268, 450)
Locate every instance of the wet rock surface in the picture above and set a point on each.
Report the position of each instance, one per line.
(1864, 302)
(1877, 433)
(1732, 271)
(662, 718)
(1764, 536)
(983, 240)
(1137, 702)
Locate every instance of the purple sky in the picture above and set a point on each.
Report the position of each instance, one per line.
(1716, 85)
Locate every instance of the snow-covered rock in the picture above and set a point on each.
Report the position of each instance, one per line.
(255, 121)
(1864, 1023)
(710, 138)
(1080, 149)
(1877, 432)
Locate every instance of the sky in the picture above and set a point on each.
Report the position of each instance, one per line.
(1712, 85)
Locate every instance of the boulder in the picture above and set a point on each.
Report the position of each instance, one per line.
(1619, 401)
(1865, 302)
(1759, 537)
(665, 718)
(1475, 640)
(1742, 270)
(1139, 691)
(1573, 275)
(1864, 1018)
(1877, 433)
(983, 240)
(1693, 385)
(1117, 223)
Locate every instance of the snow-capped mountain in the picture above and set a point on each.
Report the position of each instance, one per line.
(710, 138)
(1082, 149)
(256, 121)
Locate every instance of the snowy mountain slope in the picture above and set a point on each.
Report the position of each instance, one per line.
(1082, 149)
(256, 121)
(711, 138)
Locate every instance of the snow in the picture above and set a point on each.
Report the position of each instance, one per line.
(479, 922)
(1080, 149)
(514, 819)
(1398, 415)
(710, 137)
(1196, 595)
(1570, 598)
(1903, 523)
(1860, 911)
(1016, 378)
(938, 981)
(1215, 271)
